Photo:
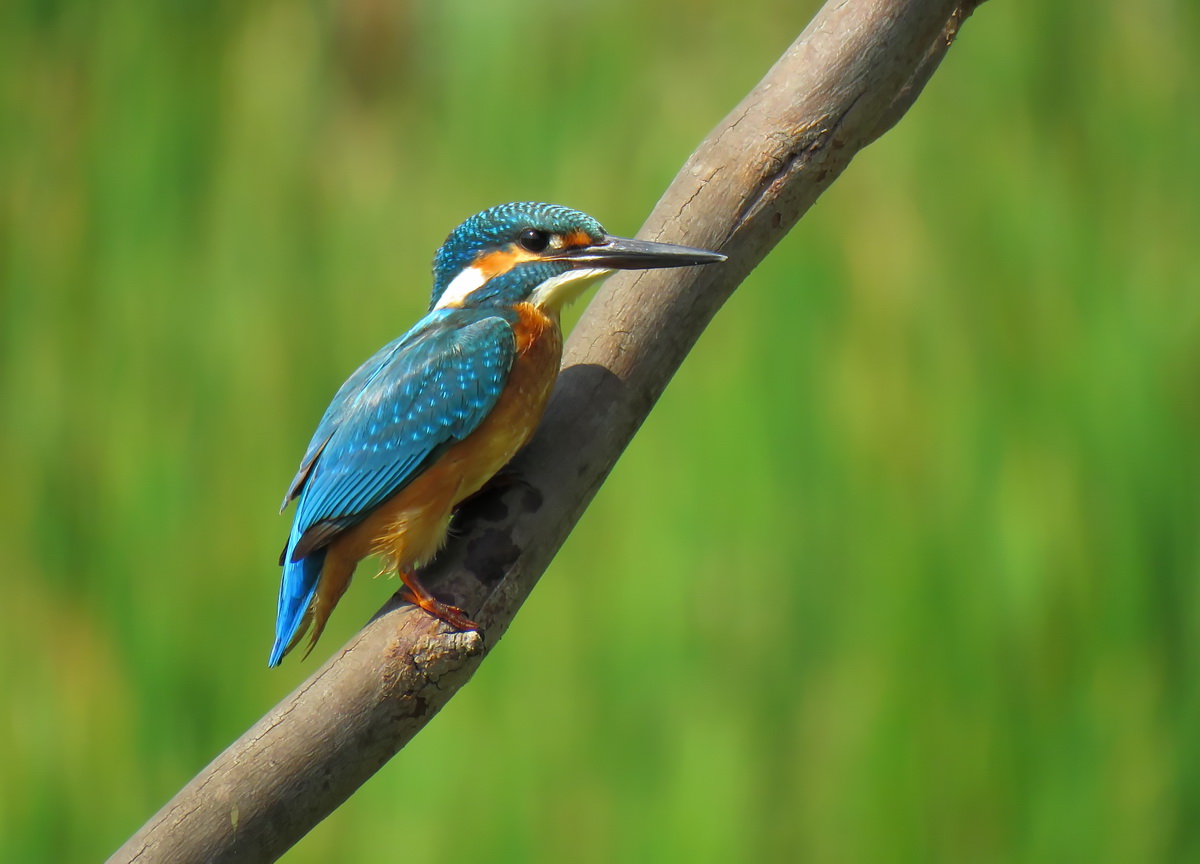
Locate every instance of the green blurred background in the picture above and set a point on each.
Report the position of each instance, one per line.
(904, 566)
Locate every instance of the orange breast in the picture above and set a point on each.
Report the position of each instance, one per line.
(410, 527)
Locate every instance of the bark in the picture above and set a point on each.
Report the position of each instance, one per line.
(848, 78)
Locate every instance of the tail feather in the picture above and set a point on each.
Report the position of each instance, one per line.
(296, 593)
(335, 578)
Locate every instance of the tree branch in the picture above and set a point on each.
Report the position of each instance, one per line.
(849, 77)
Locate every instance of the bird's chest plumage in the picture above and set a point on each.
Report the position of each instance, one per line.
(511, 423)
(410, 527)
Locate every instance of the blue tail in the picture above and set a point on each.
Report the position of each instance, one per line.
(295, 596)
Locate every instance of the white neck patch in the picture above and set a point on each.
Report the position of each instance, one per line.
(461, 287)
(565, 288)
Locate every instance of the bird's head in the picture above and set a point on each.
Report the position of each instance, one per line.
(541, 254)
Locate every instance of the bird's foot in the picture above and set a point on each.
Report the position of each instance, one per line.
(416, 593)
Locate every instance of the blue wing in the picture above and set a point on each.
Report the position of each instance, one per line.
(345, 396)
(430, 389)
(421, 393)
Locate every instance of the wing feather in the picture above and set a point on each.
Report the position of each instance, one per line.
(424, 392)
(345, 396)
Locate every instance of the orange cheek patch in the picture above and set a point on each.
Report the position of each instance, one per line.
(493, 264)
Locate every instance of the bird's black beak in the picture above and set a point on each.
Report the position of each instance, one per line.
(619, 253)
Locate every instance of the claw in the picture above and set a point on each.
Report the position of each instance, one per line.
(416, 593)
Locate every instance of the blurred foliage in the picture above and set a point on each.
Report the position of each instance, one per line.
(904, 567)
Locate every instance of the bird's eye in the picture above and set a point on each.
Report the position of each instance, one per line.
(533, 240)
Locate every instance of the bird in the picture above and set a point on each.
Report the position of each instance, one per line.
(433, 415)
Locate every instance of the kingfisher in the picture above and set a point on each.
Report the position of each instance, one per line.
(436, 413)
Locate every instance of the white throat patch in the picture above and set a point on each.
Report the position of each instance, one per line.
(565, 288)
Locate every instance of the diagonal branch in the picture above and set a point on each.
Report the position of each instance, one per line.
(848, 78)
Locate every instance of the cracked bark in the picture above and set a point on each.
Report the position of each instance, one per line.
(848, 78)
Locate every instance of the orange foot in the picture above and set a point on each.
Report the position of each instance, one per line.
(414, 592)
